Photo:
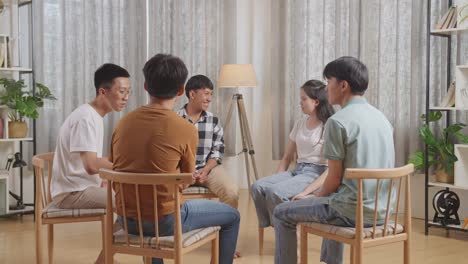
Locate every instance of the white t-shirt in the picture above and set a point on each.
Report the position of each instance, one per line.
(309, 143)
(82, 131)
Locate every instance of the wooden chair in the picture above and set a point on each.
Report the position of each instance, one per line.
(172, 247)
(47, 214)
(360, 237)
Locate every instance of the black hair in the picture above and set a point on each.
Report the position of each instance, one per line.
(105, 75)
(164, 75)
(316, 90)
(198, 82)
(351, 70)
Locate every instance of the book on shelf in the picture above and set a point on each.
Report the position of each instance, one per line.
(449, 98)
(4, 58)
(2, 54)
(448, 19)
(453, 22)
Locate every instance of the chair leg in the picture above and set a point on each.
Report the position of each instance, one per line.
(358, 254)
(351, 255)
(107, 232)
(407, 252)
(215, 250)
(178, 257)
(38, 240)
(304, 246)
(50, 242)
(260, 240)
(103, 235)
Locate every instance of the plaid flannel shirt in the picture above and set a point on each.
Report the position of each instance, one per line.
(210, 137)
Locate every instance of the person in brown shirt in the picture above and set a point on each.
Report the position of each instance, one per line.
(154, 139)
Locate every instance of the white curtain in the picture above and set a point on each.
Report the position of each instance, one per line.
(388, 36)
(71, 40)
(288, 42)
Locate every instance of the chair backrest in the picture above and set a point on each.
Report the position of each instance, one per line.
(43, 172)
(145, 179)
(395, 176)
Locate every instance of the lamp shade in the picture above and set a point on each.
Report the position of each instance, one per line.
(237, 75)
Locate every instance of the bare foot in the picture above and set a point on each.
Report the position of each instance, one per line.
(237, 254)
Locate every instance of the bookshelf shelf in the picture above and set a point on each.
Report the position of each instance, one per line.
(453, 227)
(448, 32)
(440, 108)
(15, 139)
(16, 69)
(447, 185)
(24, 2)
(26, 210)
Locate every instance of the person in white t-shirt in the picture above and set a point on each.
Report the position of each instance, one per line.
(78, 157)
(305, 140)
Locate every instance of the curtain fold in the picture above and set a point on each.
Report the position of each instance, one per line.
(72, 39)
(288, 41)
(388, 36)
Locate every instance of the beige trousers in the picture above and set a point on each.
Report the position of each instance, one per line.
(219, 183)
(89, 198)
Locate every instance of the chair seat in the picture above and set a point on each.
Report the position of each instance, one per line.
(52, 211)
(188, 238)
(196, 190)
(350, 232)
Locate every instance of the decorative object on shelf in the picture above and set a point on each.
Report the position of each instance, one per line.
(448, 20)
(446, 204)
(440, 150)
(4, 55)
(2, 127)
(462, 15)
(449, 99)
(22, 104)
(18, 162)
(2, 6)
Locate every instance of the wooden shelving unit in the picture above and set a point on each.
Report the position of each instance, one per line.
(17, 72)
(461, 104)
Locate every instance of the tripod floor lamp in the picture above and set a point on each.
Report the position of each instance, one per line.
(239, 76)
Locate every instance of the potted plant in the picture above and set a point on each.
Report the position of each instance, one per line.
(440, 150)
(22, 104)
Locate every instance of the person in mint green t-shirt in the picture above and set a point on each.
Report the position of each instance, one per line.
(357, 136)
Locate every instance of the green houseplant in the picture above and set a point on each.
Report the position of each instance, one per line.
(22, 104)
(440, 149)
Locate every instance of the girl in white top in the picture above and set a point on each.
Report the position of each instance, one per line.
(305, 140)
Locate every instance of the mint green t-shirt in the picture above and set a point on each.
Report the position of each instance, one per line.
(362, 137)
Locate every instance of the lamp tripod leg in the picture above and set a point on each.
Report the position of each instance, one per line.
(229, 114)
(244, 141)
(249, 143)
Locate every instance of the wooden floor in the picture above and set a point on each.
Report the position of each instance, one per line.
(81, 243)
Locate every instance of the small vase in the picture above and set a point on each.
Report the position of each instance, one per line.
(17, 129)
(443, 176)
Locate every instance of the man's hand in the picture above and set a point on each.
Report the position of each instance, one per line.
(201, 175)
(302, 195)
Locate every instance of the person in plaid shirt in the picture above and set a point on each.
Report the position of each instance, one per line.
(209, 171)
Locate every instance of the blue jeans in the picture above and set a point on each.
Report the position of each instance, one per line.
(270, 191)
(197, 214)
(287, 215)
